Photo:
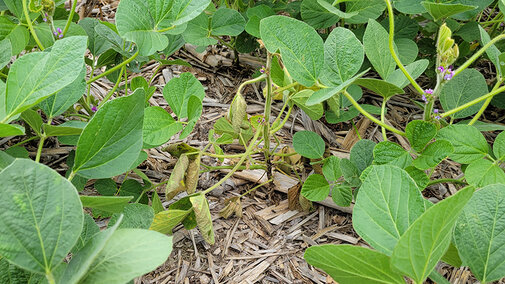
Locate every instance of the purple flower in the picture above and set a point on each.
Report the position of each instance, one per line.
(425, 99)
(441, 69)
(429, 91)
(59, 30)
(262, 70)
(448, 76)
(435, 110)
(93, 108)
(44, 19)
(55, 33)
(60, 36)
(438, 117)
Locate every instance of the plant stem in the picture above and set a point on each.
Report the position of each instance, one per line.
(280, 90)
(30, 26)
(471, 103)
(3, 75)
(24, 141)
(70, 16)
(71, 176)
(266, 114)
(49, 275)
(256, 187)
(224, 156)
(117, 67)
(106, 99)
(485, 105)
(478, 54)
(369, 116)
(281, 125)
(383, 119)
(392, 49)
(39, 149)
(237, 166)
(446, 180)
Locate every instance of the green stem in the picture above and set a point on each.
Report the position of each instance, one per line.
(71, 176)
(478, 54)
(117, 67)
(280, 90)
(109, 95)
(471, 103)
(224, 156)
(166, 29)
(485, 105)
(286, 118)
(237, 166)
(70, 17)
(266, 114)
(24, 141)
(392, 49)
(3, 75)
(256, 187)
(446, 180)
(85, 105)
(39, 149)
(49, 275)
(383, 119)
(30, 26)
(369, 116)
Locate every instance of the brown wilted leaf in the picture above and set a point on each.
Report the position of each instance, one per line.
(192, 174)
(238, 112)
(203, 217)
(294, 197)
(176, 181)
(232, 205)
(176, 150)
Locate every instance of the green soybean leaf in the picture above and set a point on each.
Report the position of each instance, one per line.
(7, 130)
(112, 204)
(343, 57)
(391, 154)
(427, 239)
(314, 14)
(178, 91)
(316, 111)
(17, 35)
(362, 154)
(82, 260)
(443, 10)
(324, 94)
(89, 229)
(96, 43)
(112, 139)
(388, 202)
(131, 187)
(300, 45)
(33, 119)
(5, 53)
(484, 172)
(350, 172)
(376, 45)
(332, 9)
(380, 87)
(499, 146)
(37, 75)
(479, 5)
(60, 102)
(366, 9)
(135, 216)
(254, 15)
(45, 34)
(409, 6)
(315, 188)
(434, 153)
(352, 264)
(165, 221)
(198, 32)
(11, 274)
(420, 133)
(308, 144)
(227, 21)
(480, 234)
(341, 195)
(61, 130)
(407, 50)
(415, 69)
(5, 160)
(469, 144)
(128, 253)
(203, 217)
(195, 109)
(156, 204)
(451, 256)
(31, 236)
(492, 52)
(419, 176)
(331, 168)
(159, 127)
(467, 86)
(143, 22)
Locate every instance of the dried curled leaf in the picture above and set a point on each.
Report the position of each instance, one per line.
(176, 181)
(178, 149)
(192, 174)
(232, 205)
(203, 217)
(238, 112)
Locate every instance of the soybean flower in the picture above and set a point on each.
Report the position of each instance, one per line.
(93, 108)
(441, 69)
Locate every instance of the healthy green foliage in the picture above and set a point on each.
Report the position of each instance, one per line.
(308, 144)
(469, 144)
(315, 188)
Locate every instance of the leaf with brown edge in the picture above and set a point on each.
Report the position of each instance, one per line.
(232, 205)
(176, 181)
(203, 217)
(192, 173)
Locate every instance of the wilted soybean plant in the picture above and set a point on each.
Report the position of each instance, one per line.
(321, 78)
